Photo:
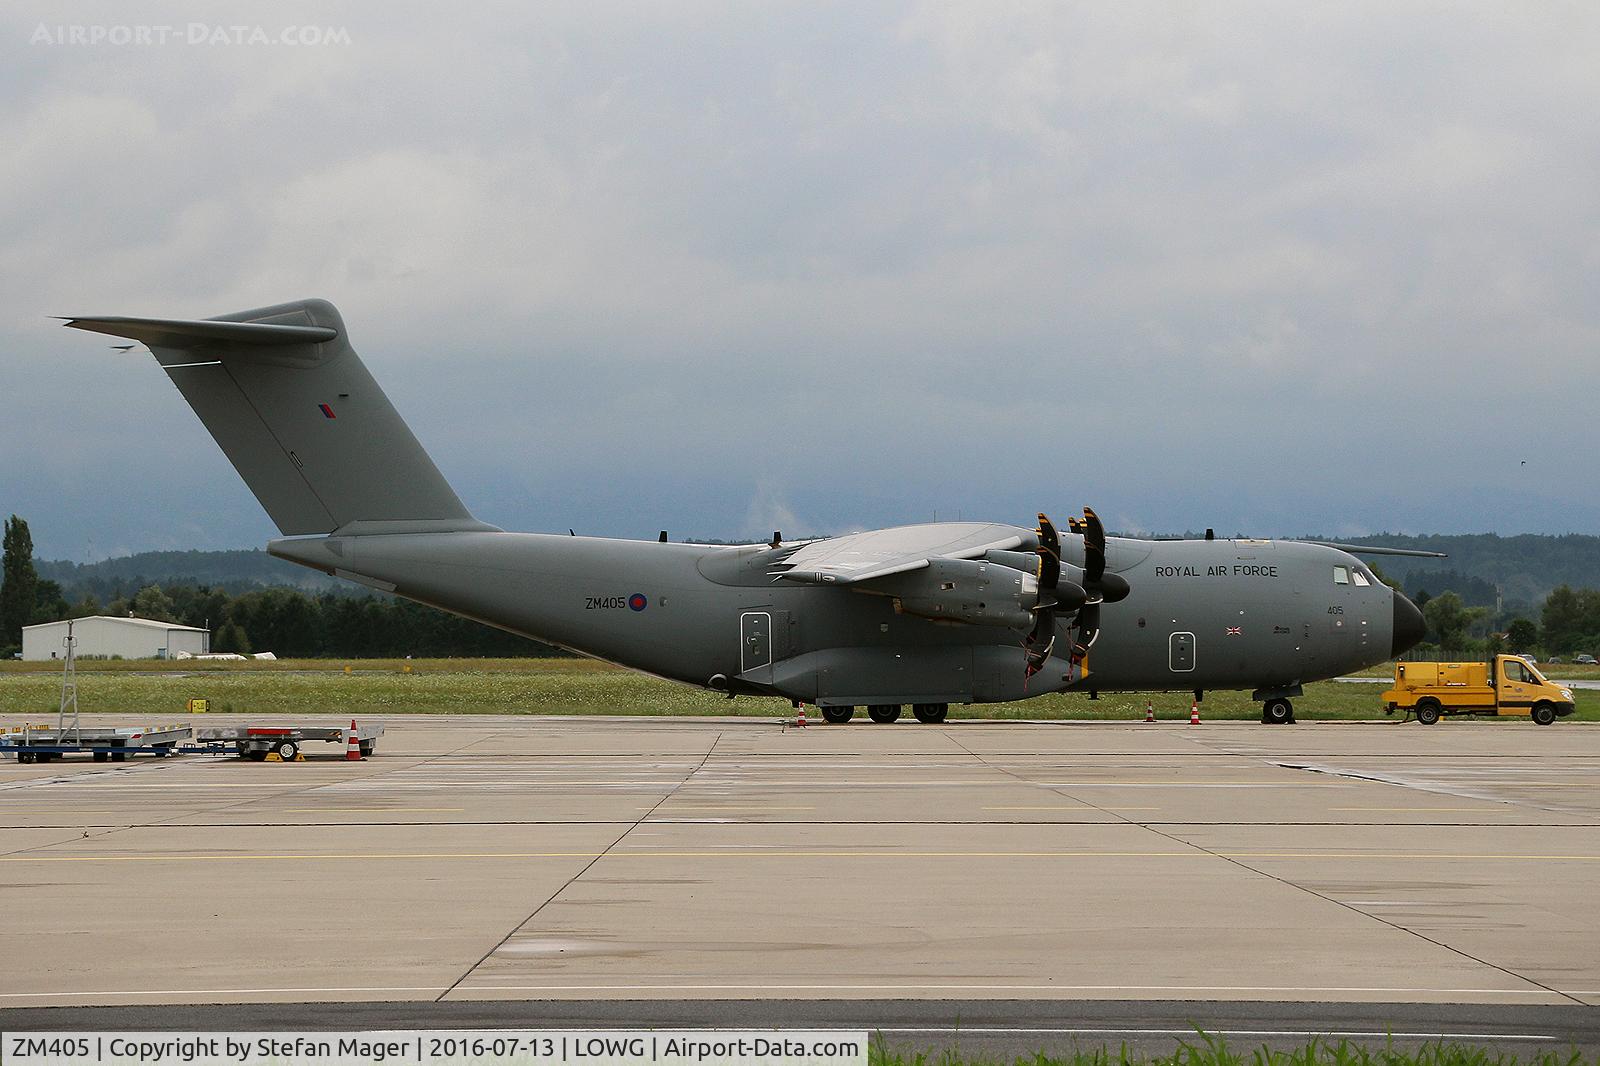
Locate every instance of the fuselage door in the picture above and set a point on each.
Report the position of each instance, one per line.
(755, 633)
(1180, 652)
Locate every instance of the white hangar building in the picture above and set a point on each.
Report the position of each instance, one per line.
(104, 636)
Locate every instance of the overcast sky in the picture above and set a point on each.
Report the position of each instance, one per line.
(726, 268)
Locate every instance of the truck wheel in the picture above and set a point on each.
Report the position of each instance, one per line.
(287, 750)
(1543, 713)
(1428, 712)
(257, 754)
(1277, 712)
(366, 747)
(837, 715)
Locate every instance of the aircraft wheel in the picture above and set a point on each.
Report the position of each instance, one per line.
(1543, 713)
(930, 713)
(1428, 712)
(1277, 712)
(883, 713)
(838, 715)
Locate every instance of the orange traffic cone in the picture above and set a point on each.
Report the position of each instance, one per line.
(801, 721)
(1149, 711)
(352, 748)
(1194, 712)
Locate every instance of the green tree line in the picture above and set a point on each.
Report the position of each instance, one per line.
(297, 623)
(285, 621)
(1568, 623)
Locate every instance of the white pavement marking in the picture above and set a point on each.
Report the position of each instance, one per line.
(755, 987)
(433, 989)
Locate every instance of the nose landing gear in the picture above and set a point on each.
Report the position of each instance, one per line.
(1277, 711)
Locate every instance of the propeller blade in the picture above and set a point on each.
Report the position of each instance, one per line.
(1084, 601)
(1094, 547)
(1049, 554)
(1042, 638)
(1088, 625)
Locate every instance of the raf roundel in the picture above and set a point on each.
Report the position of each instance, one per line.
(637, 602)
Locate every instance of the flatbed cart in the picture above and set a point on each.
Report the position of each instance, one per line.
(30, 744)
(256, 742)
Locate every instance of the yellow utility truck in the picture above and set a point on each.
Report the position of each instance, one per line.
(1515, 687)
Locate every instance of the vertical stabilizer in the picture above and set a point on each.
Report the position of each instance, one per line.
(300, 418)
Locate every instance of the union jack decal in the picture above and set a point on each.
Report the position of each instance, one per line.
(1234, 631)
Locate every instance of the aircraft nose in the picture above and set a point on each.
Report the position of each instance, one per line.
(1408, 626)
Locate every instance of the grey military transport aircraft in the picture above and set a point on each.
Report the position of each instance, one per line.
(926, 615)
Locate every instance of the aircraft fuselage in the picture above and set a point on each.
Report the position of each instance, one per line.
(1201, 614)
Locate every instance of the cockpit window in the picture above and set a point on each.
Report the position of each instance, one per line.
(1341, 575)
(1360, 578)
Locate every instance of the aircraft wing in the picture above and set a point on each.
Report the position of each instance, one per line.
(863, 556)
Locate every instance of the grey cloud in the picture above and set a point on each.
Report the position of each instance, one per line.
(1250, 266)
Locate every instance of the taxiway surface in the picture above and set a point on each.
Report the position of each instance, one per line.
(488, 858)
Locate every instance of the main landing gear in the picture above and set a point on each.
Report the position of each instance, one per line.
(885, 713)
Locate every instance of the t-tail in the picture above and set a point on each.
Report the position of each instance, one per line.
(301, 419)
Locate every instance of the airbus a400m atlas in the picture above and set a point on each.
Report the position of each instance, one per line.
(927, 615)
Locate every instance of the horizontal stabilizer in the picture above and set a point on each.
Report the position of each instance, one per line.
(182, 333)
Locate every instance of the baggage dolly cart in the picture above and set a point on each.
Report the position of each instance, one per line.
(32, 744)
(255, 742)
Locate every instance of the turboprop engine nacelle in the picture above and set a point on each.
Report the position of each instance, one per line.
(971, 591)
(1069, 590)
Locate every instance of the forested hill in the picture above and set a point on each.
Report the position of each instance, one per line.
(234, 571)
(1525, 567)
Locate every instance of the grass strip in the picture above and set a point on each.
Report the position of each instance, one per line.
(564, 686)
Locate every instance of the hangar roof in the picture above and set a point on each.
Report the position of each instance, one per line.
(149, 622)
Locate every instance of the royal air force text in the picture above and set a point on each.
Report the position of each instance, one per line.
(1236, 570)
